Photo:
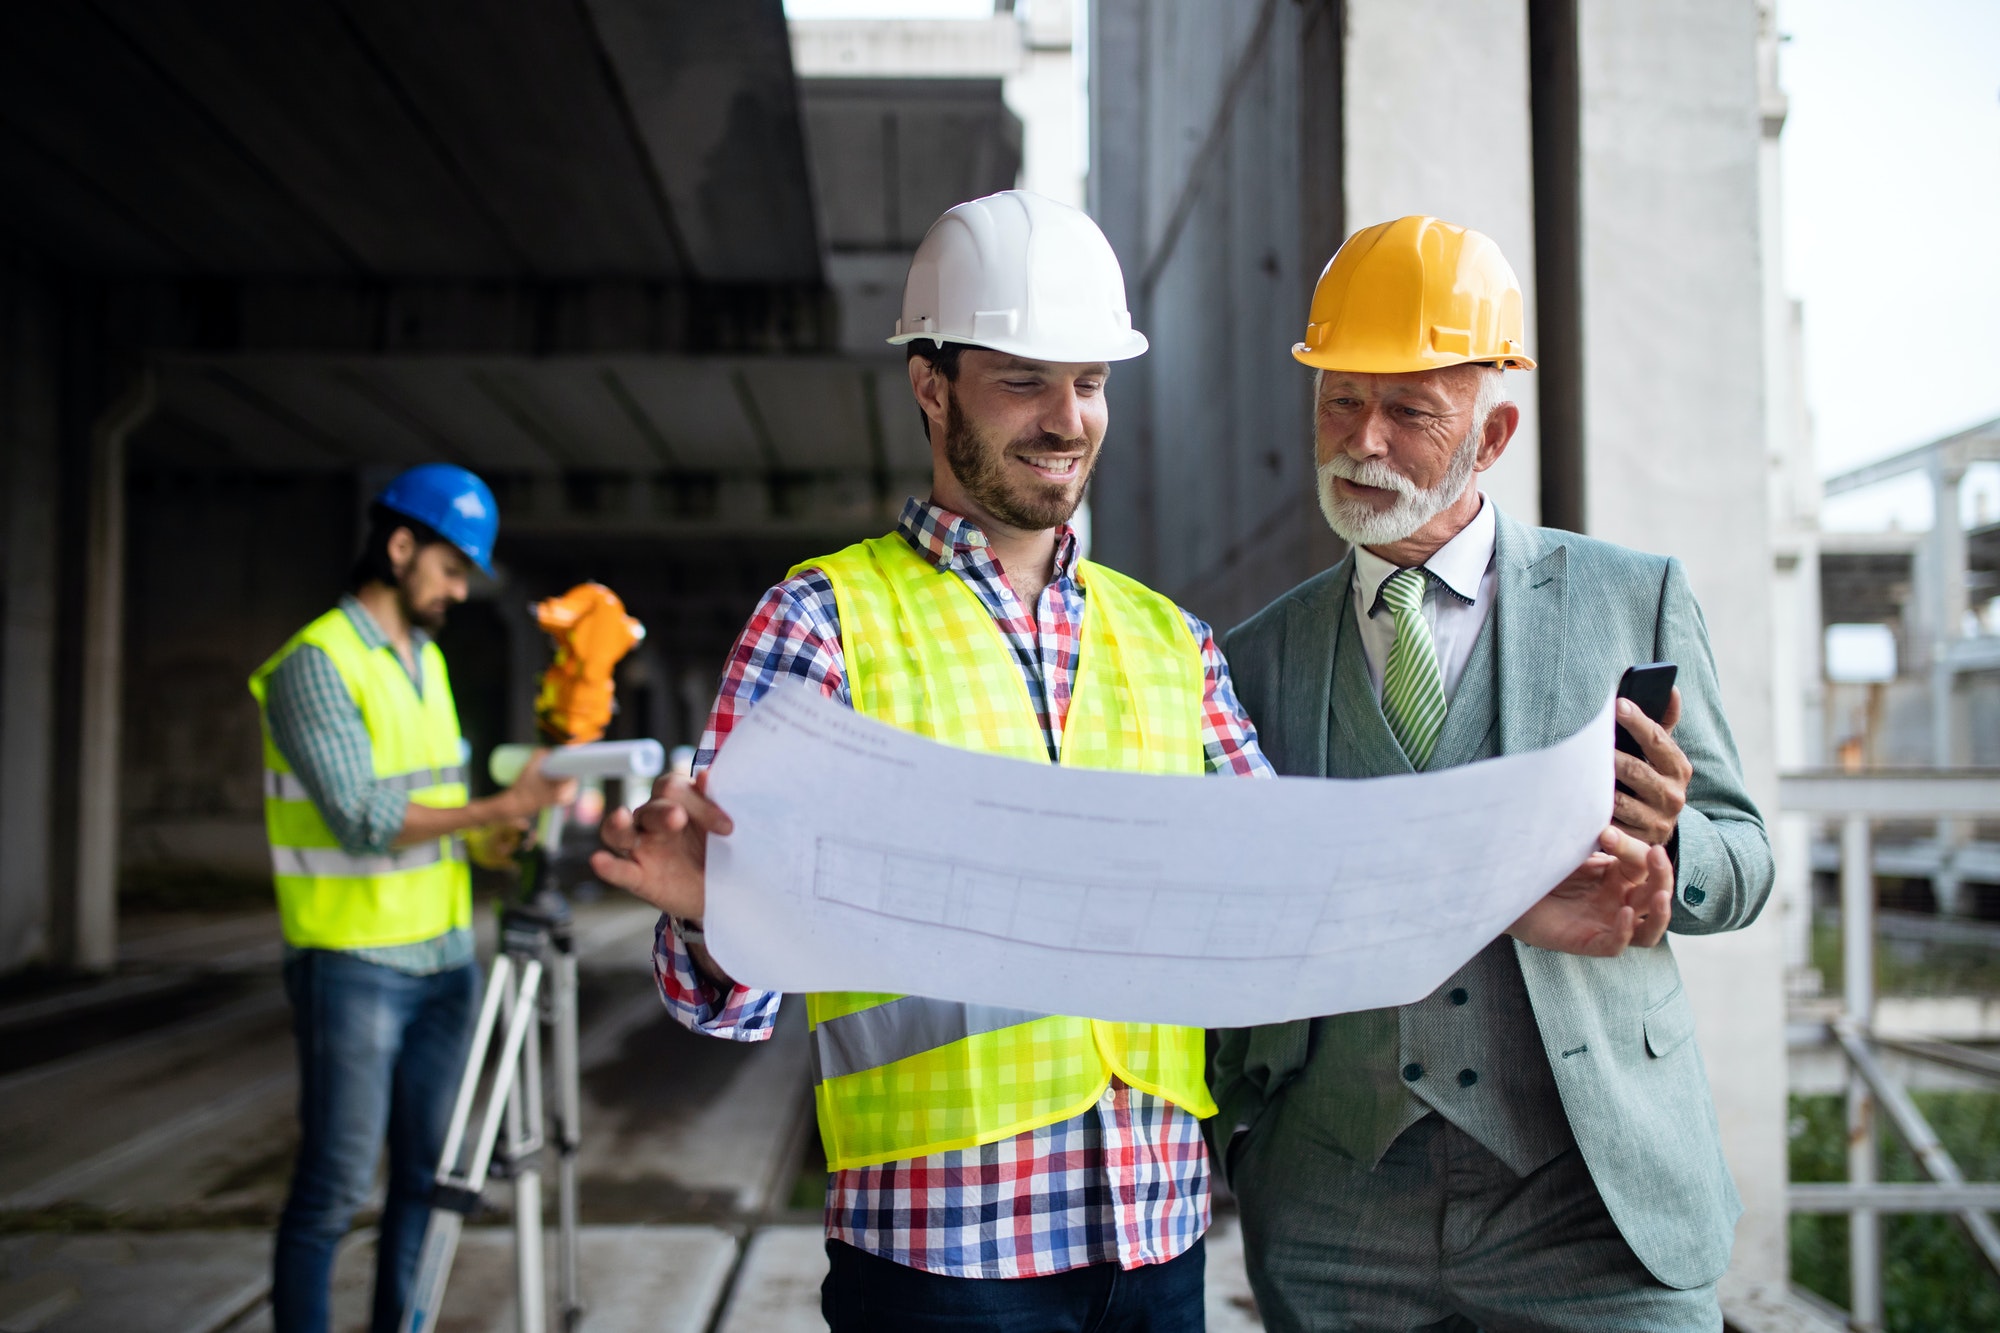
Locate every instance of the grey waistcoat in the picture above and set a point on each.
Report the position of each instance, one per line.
(1470, 1051)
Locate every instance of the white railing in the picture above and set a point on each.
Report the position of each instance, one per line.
(1857, 799)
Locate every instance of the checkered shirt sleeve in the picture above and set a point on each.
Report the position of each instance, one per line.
(318, 728)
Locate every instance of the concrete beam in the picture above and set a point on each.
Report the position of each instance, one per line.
(1891, 795)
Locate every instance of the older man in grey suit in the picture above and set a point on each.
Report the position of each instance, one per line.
(1534, 1145)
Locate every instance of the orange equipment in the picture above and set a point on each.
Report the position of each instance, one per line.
(592, 634)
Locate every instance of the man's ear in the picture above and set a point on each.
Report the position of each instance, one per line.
(402, 550)
(932, 390)
(1501, 423)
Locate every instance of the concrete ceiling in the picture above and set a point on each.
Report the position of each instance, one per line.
(687, 428)
(892, 154)
(448, 139)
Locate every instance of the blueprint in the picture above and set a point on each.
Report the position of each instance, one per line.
(866, 858)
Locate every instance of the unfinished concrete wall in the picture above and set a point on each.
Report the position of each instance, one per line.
(1675, 458)
(1212, 173)
(224, 567)
(28, 492)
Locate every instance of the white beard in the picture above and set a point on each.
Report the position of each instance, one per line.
(1360, 524)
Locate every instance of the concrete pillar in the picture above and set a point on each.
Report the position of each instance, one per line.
(1676, 461)
(94, 921)
(28, 638)
(1441, 127)
(1947, 621)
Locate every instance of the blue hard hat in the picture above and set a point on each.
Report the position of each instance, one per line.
(452, 502)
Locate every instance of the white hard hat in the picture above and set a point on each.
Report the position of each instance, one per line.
(1020, 273)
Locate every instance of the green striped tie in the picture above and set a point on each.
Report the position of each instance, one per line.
(1412, 685)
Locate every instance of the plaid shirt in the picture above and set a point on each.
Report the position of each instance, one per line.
(1125, 1182)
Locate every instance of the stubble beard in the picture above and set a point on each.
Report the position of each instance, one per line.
(981, 470)
(1360, 524)
(428, 619)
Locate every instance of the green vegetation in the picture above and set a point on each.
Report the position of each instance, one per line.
(1933, 1280)
(1912, 968)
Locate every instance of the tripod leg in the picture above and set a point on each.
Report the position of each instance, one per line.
(455, 1194)
(568, 1137)
(524, 1128)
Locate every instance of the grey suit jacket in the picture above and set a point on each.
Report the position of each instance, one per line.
(1570, 614)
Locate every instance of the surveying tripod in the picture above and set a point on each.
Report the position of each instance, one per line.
(533, 983)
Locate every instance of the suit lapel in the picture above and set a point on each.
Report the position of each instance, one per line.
(1531, 623)
(1312, 629)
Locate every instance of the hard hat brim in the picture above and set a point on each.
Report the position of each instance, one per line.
(1123, 348)
(1364, 365)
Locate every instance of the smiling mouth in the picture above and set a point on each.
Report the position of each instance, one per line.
(1054, 467)
(1355, 489)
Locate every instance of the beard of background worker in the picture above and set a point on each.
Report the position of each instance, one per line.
(408, 572)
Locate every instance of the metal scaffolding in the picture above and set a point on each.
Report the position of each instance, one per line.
(1857, 799)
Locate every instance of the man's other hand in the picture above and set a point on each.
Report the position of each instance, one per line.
(1621, 895)
(659, 853)
(1659, 782)
(535, 791)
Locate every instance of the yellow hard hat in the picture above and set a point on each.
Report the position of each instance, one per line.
(1415, 294)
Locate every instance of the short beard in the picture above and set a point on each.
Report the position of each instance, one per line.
(1360, 524)
(981, 469)
(428, 621)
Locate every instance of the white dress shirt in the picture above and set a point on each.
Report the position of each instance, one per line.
(1456, 611)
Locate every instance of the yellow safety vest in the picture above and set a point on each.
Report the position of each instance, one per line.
(329, 898)
(903, 1076)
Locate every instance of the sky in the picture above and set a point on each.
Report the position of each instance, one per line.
(1891, 158)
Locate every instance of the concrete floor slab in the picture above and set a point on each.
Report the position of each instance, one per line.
(635, 1280)
(196, 1281)
(777, 1289)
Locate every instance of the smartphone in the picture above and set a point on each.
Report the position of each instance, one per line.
(1649, 686)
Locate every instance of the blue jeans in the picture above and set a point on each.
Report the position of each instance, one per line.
(867, 1294)
(380, 1052)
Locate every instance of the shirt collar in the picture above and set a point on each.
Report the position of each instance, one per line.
(371, 633)
(1460, 564)
(945, 538)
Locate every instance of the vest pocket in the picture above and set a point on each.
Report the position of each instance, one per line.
(1669, 1024)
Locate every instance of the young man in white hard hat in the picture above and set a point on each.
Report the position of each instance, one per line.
(365, 800)
(994, 1172)
(1533, 1146)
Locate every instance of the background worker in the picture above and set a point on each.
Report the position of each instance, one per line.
(1534, 1145)
(365, 802)
(998, 1171)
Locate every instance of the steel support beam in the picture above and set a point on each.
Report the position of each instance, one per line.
(1857, 938)
(1894, 794)
(1838, 1197)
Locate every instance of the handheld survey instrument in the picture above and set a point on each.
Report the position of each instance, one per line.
(533, 983)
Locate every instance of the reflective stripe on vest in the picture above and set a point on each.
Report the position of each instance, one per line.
(325, 861)
(289, 787)
(871, 1038)
(328, 897)
(904, 1076)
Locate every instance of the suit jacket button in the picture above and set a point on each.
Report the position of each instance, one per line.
(1694, 895)
(1458, 995)
(1467, 1077)
(1413, 1072)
